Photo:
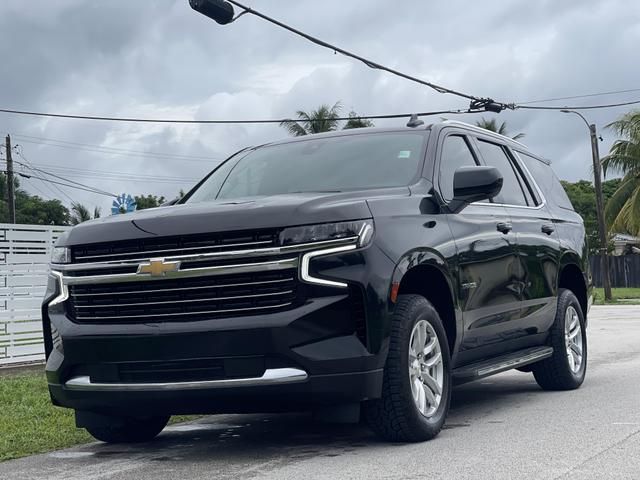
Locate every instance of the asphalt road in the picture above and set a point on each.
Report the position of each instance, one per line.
(501, 428)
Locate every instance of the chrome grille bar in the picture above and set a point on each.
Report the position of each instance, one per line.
(203, 287)
(206, 312)
(184, 273)
(225, 255)
(213, 299)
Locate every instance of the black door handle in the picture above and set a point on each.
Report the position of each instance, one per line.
(504, 227)
(548, 229)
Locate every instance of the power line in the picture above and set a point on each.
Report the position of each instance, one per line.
(50, 187)
(65, 185)
(80, 172)
(588, 95)
(96, 190)
(367, 62)
(103, 149)
(587, 107)
(219, 122)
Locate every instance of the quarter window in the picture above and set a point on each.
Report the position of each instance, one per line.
(547, 181)
(455, 154)
(495, 156)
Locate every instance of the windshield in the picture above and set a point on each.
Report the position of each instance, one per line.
(329, 164)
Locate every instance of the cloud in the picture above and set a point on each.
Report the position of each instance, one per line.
(161, 59)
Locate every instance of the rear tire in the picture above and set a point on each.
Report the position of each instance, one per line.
(567, 367)
(418, 367)
(128, 429)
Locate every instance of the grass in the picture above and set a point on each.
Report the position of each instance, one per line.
(30, 424)
(622, 296)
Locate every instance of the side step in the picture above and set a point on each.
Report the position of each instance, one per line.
(500, 364)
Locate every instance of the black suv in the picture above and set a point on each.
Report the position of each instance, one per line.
(360, 272)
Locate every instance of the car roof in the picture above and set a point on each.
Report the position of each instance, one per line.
(348, 132)
(423, 128)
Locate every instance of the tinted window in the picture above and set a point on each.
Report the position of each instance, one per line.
(495, 156)
(547, 181)
(319, 165)
(455, 154)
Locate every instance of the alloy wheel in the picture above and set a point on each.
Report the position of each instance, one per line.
(426, 370)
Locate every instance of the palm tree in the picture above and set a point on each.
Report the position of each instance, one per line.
(356, 122)
(492, 125)
(80, 213)
(623, 208)
(321, 120)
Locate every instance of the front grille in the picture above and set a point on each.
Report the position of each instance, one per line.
(174, 246)
(185, 299)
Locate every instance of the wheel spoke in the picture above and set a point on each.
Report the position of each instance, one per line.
(430, 397)
(432, 383)
(574, 333)
(430, 346)
(422, 399)
(422, 336)
(571, 360)
(575, 348)
(433, 361)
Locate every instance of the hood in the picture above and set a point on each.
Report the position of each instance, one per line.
(226, 215)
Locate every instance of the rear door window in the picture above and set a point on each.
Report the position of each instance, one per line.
(494, 155)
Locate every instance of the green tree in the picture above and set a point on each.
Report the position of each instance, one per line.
(355, 122)
(492, 125)
(583, 198)
(32, 209)
(80, 213)
(622, 211)
(323, 119)
(148, 201)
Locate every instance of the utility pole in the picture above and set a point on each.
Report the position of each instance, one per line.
(597, 183)
(11, 200)
(602, 227)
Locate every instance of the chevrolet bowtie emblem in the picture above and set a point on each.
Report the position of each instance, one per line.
(158, 267)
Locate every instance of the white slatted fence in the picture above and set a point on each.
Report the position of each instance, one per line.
(25, 251)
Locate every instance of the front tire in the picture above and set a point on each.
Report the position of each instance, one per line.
(128, 429)
(416, 388)
(567, 367)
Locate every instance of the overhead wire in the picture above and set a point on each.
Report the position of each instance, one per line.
(580, 107)
(573, 97)
(86, 173)
(64, 184)
(52, 188)
(221, 122)
(89, 187)
(104, 149)
(366, 61)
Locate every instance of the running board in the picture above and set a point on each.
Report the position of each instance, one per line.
(500, 364)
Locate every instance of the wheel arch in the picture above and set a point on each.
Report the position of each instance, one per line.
(424, 272)
(572, 277)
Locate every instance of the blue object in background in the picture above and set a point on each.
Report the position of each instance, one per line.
(123, 204)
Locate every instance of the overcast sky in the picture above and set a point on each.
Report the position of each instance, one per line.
(159, 58)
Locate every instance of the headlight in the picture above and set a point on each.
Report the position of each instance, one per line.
(61, 255)
(362, 230)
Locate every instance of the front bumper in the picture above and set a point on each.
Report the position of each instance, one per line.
(290, 360)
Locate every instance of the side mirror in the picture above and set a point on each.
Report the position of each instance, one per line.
(472, 184)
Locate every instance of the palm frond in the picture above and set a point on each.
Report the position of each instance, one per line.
(293, 127)
(621, 196)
